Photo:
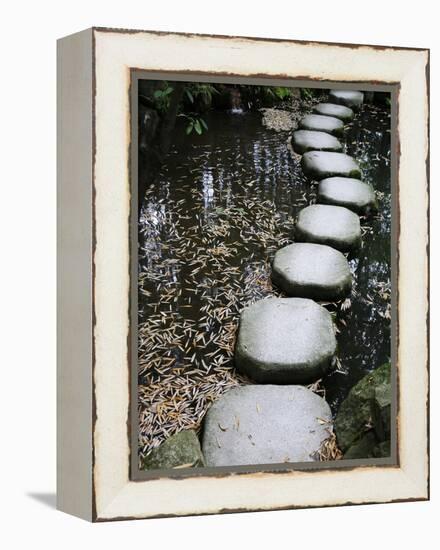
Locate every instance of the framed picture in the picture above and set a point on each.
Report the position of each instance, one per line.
(242, 272)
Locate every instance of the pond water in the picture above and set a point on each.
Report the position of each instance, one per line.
(223, 204)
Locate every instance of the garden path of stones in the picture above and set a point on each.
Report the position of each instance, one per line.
(284, 343)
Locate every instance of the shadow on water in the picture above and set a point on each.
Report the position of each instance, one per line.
(225, 201)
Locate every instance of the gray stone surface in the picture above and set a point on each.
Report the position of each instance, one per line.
(265, 425)
(335, 226)
(349, 192)
(309, 270)
(349, 98)
(285, 341)
(332, 109)
(181, 450)
(308, 140)
(320, 123)
(318, 165)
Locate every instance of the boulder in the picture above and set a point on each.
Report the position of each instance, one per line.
(366, 410)
(350, 98)
(320, 123)
(307, 140)
(318, 165)
(349, 192)
(265, 424)
(309, 270)
(331, 109)
(335, 226)
(285, 341)
(181, 450)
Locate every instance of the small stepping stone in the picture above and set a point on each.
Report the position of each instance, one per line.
(318, 165)
(349, 98)
(351, 193)
(265, 425)
(331, 109)
(321, 123)
(307, 140)
(309, 270)
(334, 226)
(285, 341)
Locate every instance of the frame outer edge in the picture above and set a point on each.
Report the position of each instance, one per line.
(74, 274)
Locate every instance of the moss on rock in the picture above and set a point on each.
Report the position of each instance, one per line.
(181, 450)
(363, 420)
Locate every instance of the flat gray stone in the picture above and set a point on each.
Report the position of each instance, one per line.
(320, 123)
(308, 140)
(351, 193)
(265, 425)
(332, 109)
(349, 98)
(285, 341)
(335, 226)
(318, 165)
(310, 270)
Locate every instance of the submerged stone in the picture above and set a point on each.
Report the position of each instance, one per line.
(318, 165)
(367, 408)
(310, 270)
(335, 226)
(349, 98)
(285, 341)
(349, 192)
(265, 424)
(322, 123)
(308, 140)
(181, 450)
(331, 109)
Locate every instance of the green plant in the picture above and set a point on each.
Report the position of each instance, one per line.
(161, 97)
(195, 123)
(306, 93)
(282, 93)
(204, 91)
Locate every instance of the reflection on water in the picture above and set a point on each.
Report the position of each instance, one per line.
(224, 203)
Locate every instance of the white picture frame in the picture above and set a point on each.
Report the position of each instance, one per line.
(94, 235)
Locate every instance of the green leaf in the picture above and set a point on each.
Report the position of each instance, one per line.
(157, 94)
(203, 123)
(198, 127)
(189, 128)
(190, 96)
(168, 91)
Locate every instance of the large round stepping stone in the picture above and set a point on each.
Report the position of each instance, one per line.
(285, 341)
(318, 165)
(307, 140)
(335, 226)
(351, 193)
(331, 109)
(321, 123)
(310, 270)
(349, 98)
(265, 425)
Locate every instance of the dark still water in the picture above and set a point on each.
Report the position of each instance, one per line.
(224, 203)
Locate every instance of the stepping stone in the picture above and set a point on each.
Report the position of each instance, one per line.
(335, 226)
(285, 341)
(318, 165)
(321, 123)
(331, 109)
(311, 270)
(349, 98)
(181, 450)
(265, 425)
(351, 193)
(307, 140)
